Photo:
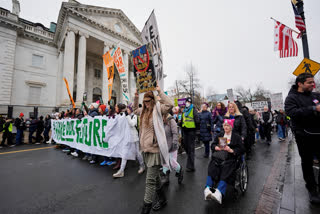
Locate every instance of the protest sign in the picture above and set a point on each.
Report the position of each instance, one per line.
(100, 135)
(276, 101)
(230, 95)
(150, 34)
(259, 105)
(143, 67)
(109, 62)
(123, 73)
(182, 102)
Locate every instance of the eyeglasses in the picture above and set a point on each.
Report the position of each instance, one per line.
(146, 101)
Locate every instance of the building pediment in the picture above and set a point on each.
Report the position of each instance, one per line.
(114, 21)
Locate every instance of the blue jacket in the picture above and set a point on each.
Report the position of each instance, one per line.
(206, 126)
(218, 120)
(94, 112)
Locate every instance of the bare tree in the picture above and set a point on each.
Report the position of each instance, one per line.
(247, 95)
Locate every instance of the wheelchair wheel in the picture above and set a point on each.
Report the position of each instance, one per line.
(243, 178)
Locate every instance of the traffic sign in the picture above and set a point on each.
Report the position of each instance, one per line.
(307, 66)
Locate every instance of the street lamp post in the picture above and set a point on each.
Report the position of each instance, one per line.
(299, 4)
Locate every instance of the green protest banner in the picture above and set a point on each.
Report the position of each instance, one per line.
(100, 135)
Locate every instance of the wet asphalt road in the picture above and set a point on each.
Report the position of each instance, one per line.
(49, 181)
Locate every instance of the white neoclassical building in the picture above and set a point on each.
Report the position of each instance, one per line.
(34, 59)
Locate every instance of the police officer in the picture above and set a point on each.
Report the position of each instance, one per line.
(190, 121)
(7, 132)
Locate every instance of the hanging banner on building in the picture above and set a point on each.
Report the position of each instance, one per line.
(150, 34)
(123, 73)
(70, 97)
(143, 67)
(109, 63)
(276, 101)
(100, 135)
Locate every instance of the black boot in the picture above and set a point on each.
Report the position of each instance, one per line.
(180, 175)
(161, 199)
(314, 196)
(146, 208)
(165, 178)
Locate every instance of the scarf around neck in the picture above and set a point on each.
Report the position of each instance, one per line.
(187, 110)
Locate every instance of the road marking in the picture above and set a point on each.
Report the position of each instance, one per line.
(26, 150)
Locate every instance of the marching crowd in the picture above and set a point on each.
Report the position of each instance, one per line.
(159, 130)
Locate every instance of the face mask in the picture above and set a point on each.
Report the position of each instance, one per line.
(187, 104)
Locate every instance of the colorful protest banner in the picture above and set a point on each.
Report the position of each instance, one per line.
(109, 62)
(123, 73)
(143, 67)
(99, 135)
(150, 34)
(70, 97)
(182, 102)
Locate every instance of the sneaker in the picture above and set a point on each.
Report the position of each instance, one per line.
(217, 196)
(180, 176)
(92, 162)
(110, 163)
(207, 194)
(74, 154)
(85, 157)
(103, 163)
(141, 170)
(1, 147)
(119, 174)
(48, 142)
(66, 150)
(12, 145)
(90, 158)
(37, 143)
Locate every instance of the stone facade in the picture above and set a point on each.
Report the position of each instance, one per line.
(34, 59)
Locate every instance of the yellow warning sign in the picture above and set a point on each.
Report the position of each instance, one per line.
(307, 66)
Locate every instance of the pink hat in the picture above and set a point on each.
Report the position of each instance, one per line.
(229, 122)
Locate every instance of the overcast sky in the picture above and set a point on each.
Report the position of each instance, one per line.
(229, 42)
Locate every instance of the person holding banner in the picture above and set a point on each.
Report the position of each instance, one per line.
(132, 121)
(153, 144)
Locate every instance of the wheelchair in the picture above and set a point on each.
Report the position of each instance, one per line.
(241, 178)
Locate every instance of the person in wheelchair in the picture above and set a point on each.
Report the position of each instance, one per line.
(227, 148)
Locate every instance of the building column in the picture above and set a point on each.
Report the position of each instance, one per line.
(68, 66)
(81, 72)
(59, 82)
(105, 93)
(90, 83)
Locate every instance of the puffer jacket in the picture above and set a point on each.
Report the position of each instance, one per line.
(300, 107)
(239, 126)
(171, 129)
(206, 126)
(133, 122)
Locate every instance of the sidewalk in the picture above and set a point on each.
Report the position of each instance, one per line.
(295, 199)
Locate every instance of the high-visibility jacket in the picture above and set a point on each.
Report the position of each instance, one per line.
(188, 121)
(9, 128)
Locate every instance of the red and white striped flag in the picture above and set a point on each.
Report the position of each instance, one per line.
(283, 41)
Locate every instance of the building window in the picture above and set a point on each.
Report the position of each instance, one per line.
(34, 95)
(37, 60)
(97, 73)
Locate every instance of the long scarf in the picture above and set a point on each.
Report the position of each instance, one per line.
(160, 134)
(187, 110)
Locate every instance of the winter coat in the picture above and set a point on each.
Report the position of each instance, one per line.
(93, 113)
(239, 126)
(300, 107)
(40, 126)
(218, 122)
(47, 124)
(33, 125)
(196, 121)
(79, 116)
(266, 118)
(170, 127)
(226, 170)
(281, 119)
(148, 139)
(253, 121)
(133, 122)
(19, 123)
(249, 121)
(206, 126)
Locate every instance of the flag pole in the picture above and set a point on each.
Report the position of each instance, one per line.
(285, 25)
(299, 4)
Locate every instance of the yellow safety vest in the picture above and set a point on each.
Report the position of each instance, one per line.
(188, 121)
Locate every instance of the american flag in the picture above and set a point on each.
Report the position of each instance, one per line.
(299, 21)
(283, 41)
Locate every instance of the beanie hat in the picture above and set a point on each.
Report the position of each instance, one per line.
(103, 107)
(148, 96)
(130, 107)
(189, 100)
(21, 114)
(229, 122)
